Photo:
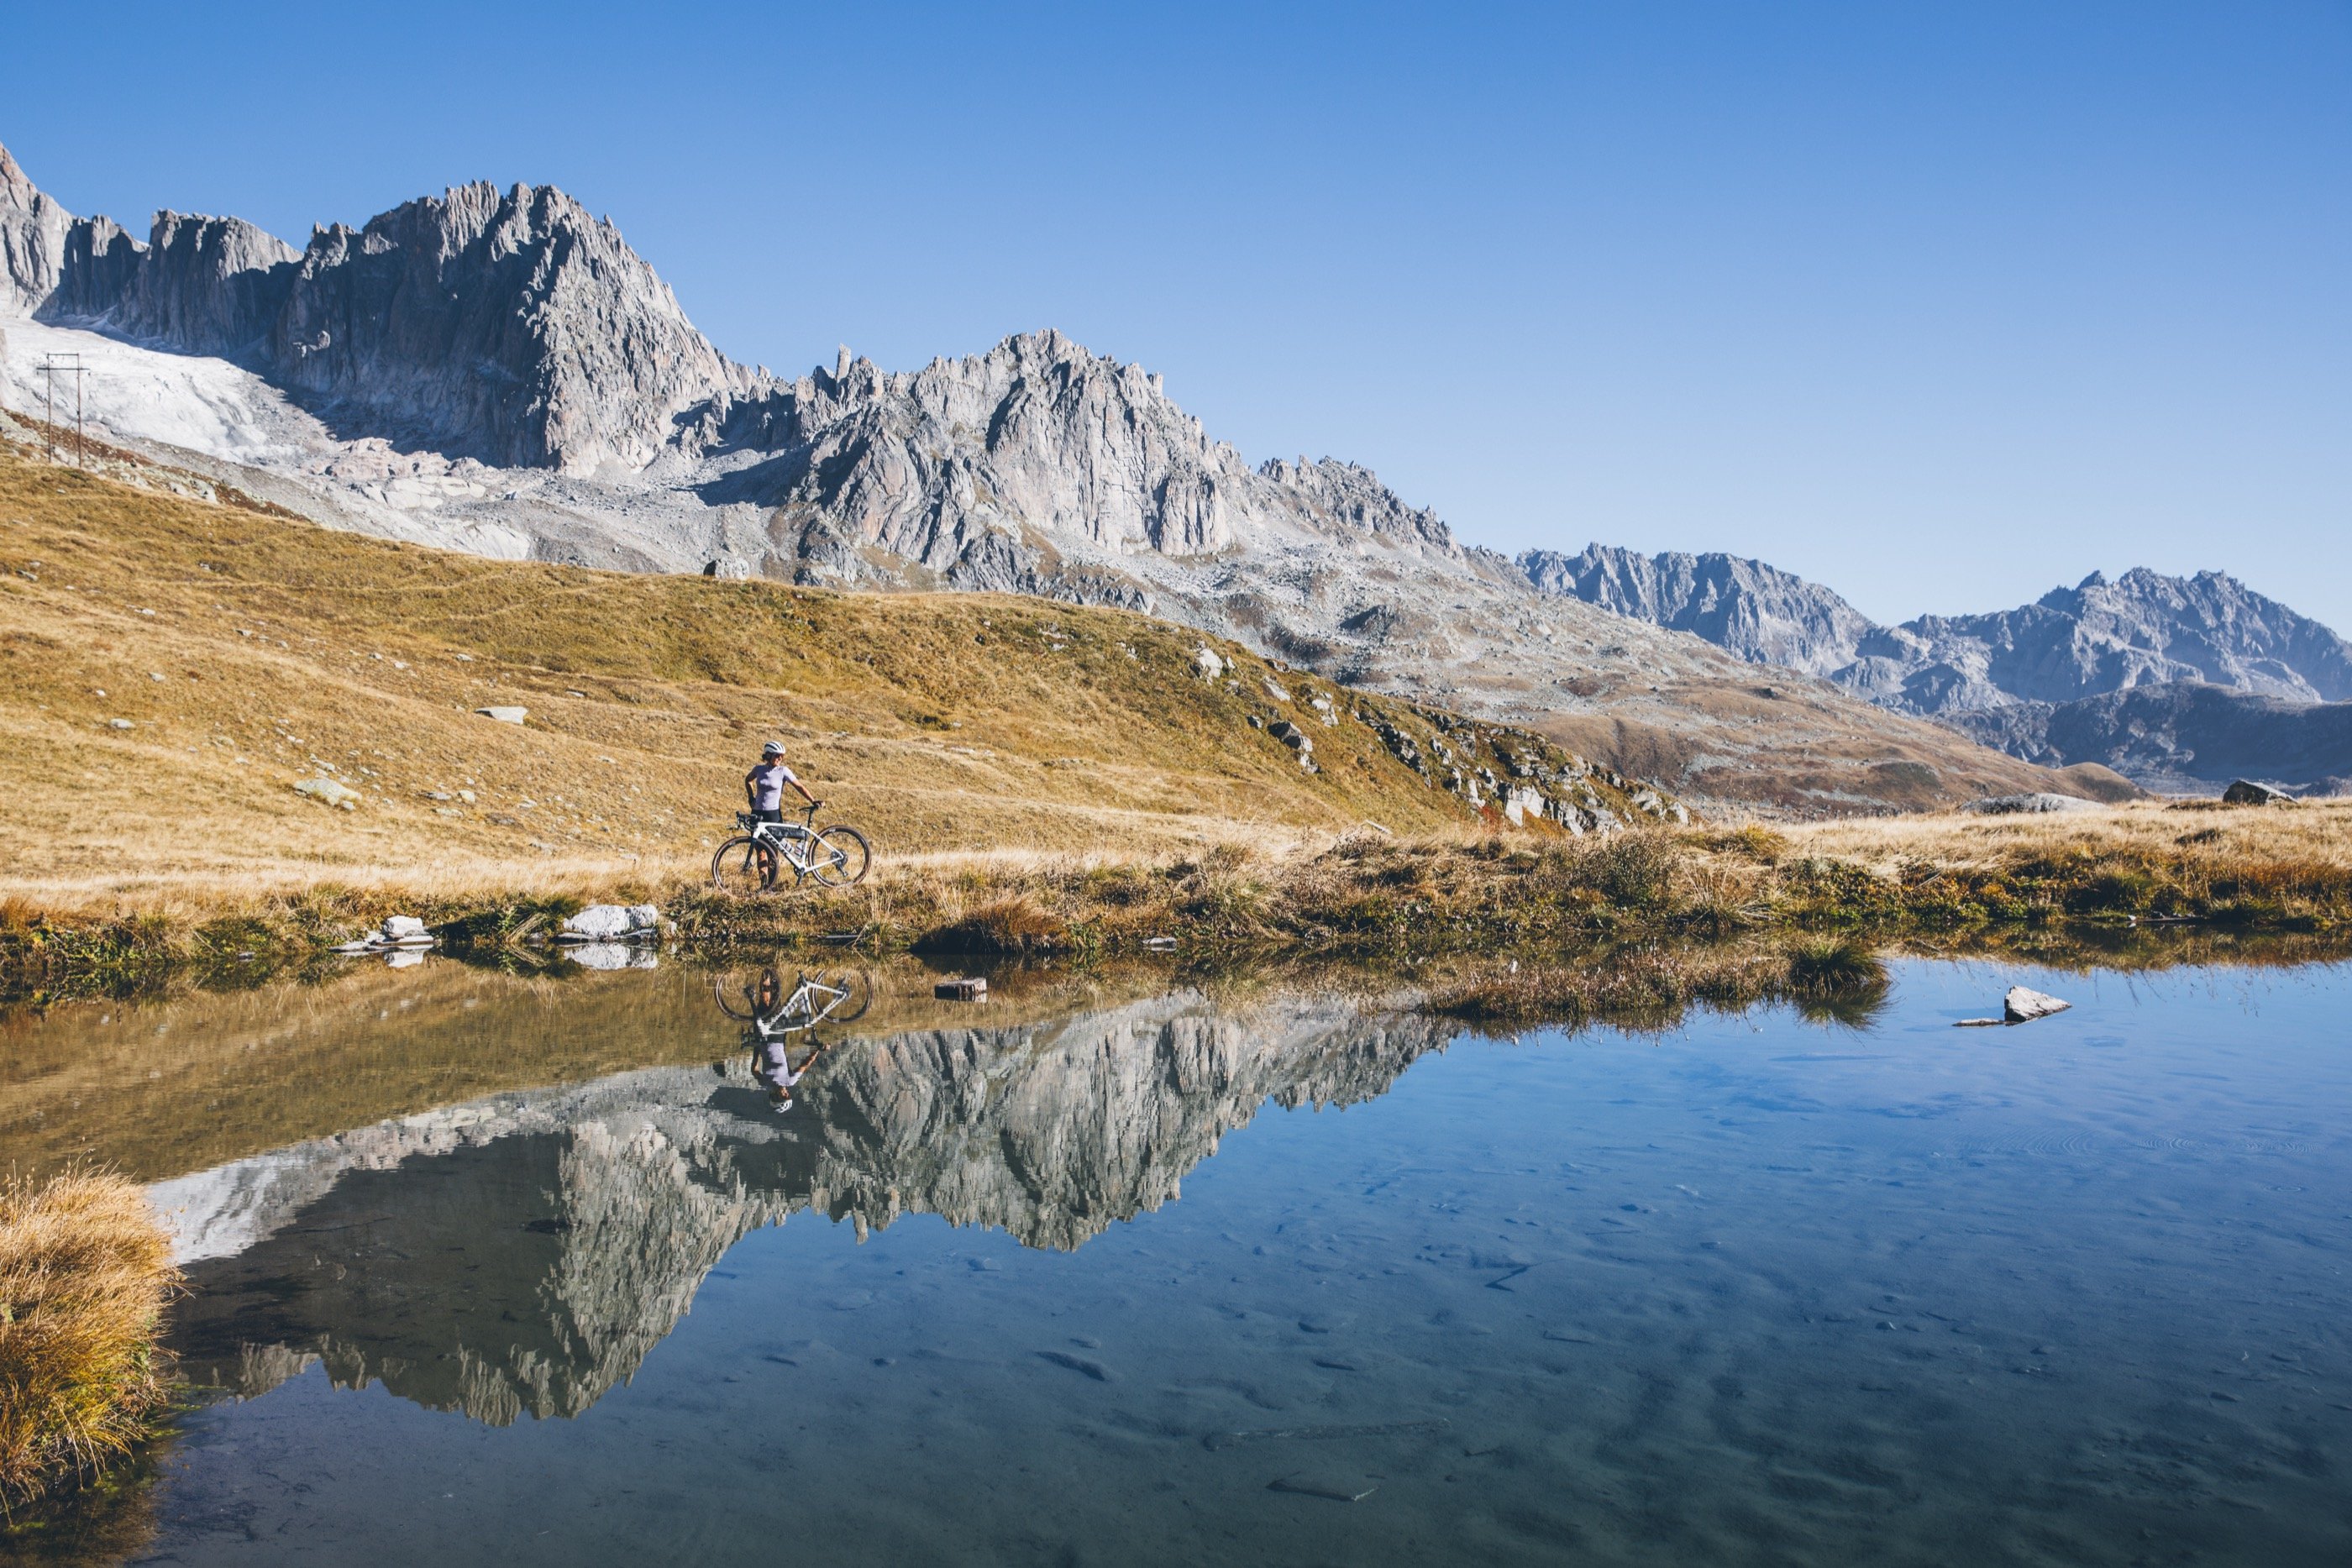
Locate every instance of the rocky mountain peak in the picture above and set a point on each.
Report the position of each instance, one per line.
(1761, 614)
(16, 187)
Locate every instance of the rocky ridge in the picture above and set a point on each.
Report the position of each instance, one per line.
(2086, 674)
(498, 372)
(2182, 737)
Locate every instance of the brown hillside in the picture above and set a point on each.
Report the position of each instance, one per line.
(169, 669)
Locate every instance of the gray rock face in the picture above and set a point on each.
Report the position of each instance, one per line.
(2177, 683)
(511, 327)
(2186, 737)
(33, 230)
(206, 286)
(1765, 615)
(2098, 637)
(2143, 629)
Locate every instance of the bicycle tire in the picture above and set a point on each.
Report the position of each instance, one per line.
(840, 857)
(860, 987)
(743, 865)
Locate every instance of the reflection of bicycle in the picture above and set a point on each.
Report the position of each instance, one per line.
(753, 860)
(776, 1015)
(826, 997)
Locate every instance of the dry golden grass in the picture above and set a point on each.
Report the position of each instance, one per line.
(169, 669)
(84, 1274)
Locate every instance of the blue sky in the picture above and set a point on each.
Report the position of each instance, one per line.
(1941, 304)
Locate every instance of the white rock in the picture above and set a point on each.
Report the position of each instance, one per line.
(404, 928)
(505, 715)
(1274, 690)
(1520, 802)
(2023, 1006)
(328, 792)
(1211, 666)
(611, 921)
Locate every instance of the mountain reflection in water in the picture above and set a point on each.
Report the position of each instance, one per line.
(523, 1252)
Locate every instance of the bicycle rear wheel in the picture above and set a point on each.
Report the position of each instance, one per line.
(839, 857)
(854, 991)
(742, 865)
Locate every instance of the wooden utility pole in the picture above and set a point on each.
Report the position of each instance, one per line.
(52, 367)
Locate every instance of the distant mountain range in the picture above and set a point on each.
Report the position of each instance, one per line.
(496, 370)
(2178, 683)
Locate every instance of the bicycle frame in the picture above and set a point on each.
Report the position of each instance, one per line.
(811, 1003)
(782, 837)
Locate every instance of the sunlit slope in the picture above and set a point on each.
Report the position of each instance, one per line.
(169, 669)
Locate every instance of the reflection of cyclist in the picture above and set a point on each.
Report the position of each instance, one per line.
(769, 1036)
(764, 787)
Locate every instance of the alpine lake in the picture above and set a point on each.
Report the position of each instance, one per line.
(554, 1266)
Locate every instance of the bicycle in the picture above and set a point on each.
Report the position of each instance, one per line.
(752, 860)
(839, 995)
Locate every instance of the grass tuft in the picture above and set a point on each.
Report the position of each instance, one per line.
(85, 1275)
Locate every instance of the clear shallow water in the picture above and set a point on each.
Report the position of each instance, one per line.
(1750, 1291)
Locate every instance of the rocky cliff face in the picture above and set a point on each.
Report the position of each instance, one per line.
(508, 327)
(2142, 628)
(2182, 736)
(2034, 680)
(1765, 615)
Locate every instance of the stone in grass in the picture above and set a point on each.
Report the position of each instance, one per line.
(505, 715)
(2035, 804)
(328, 792)
(2246, 792)
(2020, 1006)
(610, 923)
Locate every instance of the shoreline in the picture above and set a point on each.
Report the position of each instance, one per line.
(1363, 897)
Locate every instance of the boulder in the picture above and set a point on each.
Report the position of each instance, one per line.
(1291, 735)
(2017, 805)
(2023, 1006)
(1211, 666)
(610, 923)
(2246, 792)
(1274, 690)
(1521, 803)
(403, 928)
(328, 792)
(732, 570)
(2020, 1006)
(505, 715)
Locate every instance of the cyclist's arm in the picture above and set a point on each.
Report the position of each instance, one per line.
(804, 793)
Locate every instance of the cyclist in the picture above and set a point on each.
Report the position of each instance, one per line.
(764, 787)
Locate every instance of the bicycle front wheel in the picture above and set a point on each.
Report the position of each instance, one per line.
(839, 857)
(743, 865)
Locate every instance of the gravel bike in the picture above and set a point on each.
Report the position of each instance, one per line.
(755, 858)
(827, 996)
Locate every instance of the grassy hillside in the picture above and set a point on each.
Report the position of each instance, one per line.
(169, 669)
